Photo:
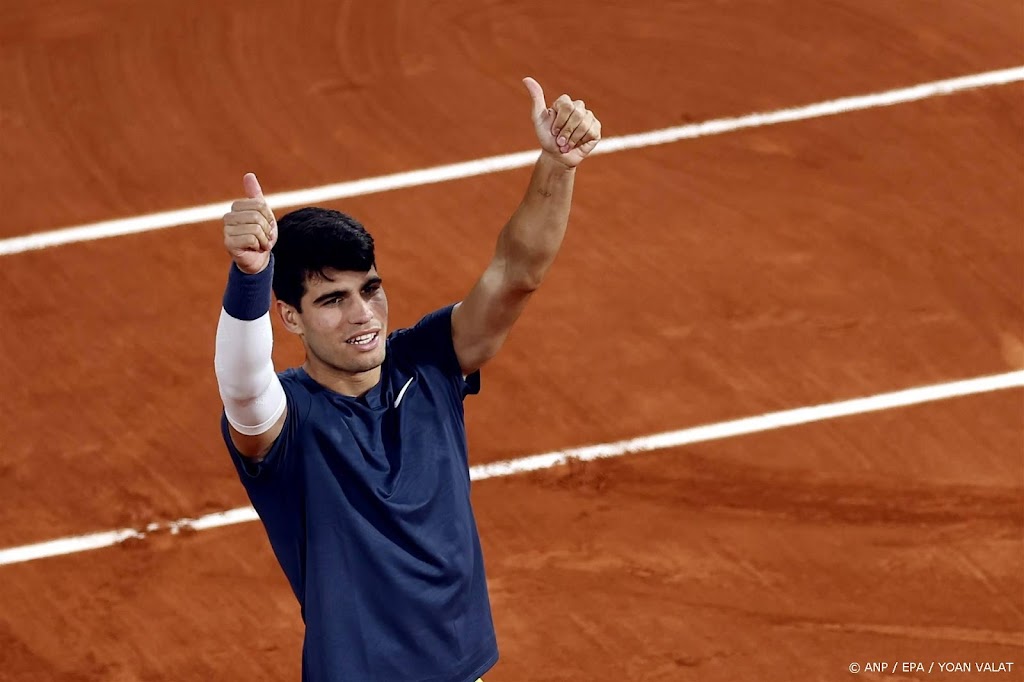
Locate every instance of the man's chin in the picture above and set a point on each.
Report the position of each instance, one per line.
(368, 362)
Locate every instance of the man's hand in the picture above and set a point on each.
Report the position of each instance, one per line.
(567, 130)
(250, 230)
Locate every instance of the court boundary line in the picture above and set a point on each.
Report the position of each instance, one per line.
(649, 443)
(494, 164)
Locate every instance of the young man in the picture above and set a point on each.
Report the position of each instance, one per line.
(356, 461)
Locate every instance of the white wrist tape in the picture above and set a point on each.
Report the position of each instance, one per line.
(252, 394)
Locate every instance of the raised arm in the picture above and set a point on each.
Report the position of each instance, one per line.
(254, 400)
(527, 246)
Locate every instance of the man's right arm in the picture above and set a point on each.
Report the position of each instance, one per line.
(254, 400)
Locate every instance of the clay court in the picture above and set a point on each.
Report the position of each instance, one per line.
(742, 273)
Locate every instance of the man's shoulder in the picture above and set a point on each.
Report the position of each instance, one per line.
(298, 388)
(434, 328)
(292, 375)
(428, 346)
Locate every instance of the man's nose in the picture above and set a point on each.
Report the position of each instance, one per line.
(361, 314)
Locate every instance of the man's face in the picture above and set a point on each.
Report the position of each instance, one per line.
(344, 319)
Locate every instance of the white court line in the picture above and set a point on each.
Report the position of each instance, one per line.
(494, 164)
(658, 441)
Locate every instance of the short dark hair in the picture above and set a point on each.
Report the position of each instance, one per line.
(311, 240)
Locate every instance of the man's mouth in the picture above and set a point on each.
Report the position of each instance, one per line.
(363, 339)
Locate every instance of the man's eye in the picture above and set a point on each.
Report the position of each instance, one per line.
(372, 288)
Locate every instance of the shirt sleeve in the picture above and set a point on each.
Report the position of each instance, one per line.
(277, 461)
(429, 342)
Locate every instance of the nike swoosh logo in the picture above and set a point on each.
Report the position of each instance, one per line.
(402, 392)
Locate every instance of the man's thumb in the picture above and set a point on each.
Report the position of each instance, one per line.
(537, 93)
(252, 186)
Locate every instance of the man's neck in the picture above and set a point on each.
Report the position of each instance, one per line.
(340, 381)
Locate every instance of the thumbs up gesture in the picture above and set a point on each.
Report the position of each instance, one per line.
(567, 130)
(250, 230)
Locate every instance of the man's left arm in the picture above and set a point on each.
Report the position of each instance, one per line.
(527, 246)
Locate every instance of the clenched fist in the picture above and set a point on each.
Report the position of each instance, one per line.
(250, 230)
(567, 130)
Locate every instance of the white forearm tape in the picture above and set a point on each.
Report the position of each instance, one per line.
(252, 394)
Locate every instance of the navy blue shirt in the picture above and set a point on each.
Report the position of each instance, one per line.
(366, 504)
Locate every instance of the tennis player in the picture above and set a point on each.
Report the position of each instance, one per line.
(356, 461)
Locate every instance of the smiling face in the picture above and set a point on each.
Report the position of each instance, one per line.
(343, 324)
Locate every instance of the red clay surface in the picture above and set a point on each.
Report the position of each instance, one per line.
(701, 281)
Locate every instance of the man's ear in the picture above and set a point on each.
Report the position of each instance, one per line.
(290, 317)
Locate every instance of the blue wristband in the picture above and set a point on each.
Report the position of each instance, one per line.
(247, 297)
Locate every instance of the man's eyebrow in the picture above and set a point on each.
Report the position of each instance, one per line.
(342, 293)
